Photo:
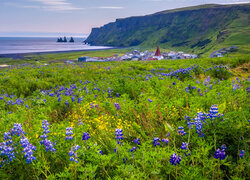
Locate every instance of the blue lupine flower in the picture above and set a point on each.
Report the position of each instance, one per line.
(223, 147)
(133, 149)
(184, 146)
(79, 100)
(213, 111)
(156, 141)
(100, 151)
(118, 135)
(49, 146)
(85, 136)
(27, 149)
(137, 141)
(174, 83)
(117, 95)
(220, 154)
(73, 98)
(69, 133)
(117, 106)
(181, 131)
(242, 153)
(17, 129)
(165, 141)
(59, 99)
(175, 159)
(67, 103)
(150, 100)
(73, 153)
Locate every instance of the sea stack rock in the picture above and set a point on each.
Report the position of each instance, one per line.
(64, 39)
(71, 40)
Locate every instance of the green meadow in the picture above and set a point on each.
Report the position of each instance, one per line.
(169, 119)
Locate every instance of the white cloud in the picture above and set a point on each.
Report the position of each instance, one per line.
(110, 7)
(56, 5)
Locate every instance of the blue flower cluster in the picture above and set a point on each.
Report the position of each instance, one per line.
(73, 153)
(7, 149)
(184, 146)
(156, 141)
(201, 118)
(181, 131)
(220, 153)
(85, 136)
(118, 135)
(117, 106)
(137, 141)
(49, 146)
(133, 149)
(174, 159)
(69, 133)
(242, 153)
(27, 149)
(165, 141)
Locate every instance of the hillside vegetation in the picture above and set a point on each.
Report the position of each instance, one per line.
(199, 29)
(170, 119)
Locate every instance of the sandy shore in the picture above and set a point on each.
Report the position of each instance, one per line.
(23, 55)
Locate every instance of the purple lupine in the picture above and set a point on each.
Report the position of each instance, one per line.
(117, 106)
(73, 153)
(85, 136)
(220, 153)
(181, 131)
(174, 159)
(184, 146)
(150, 100)
(49, 146)
(100, 151)
(156, 141)
(27, 149)
(137, 141)
(67, 103)
(79, 100)
(133, 149)
(69, 133)
(165, 141)
(118, 135)
(73, 98)
(242, 153)
(17, 129)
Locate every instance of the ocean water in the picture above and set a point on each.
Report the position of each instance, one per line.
(15, 45)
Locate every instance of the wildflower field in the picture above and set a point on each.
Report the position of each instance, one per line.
(169, 119)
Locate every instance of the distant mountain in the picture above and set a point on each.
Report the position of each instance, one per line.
(197, 29)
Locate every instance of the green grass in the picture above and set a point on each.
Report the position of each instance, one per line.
(151, 105)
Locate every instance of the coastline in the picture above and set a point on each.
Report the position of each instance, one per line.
(23, 55)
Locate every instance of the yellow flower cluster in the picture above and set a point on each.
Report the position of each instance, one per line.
(97, 124)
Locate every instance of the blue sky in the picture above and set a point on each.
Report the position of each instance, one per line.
(77, 17)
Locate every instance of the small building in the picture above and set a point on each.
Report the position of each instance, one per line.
(223, 52)
(218, 55)
(83, 59)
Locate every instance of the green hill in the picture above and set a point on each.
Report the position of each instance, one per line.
(198, 29)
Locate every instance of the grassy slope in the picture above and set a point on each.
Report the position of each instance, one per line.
(185, 29)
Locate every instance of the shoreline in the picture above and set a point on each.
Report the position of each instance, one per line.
(22, 55)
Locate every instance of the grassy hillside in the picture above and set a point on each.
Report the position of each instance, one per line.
(199, 29)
